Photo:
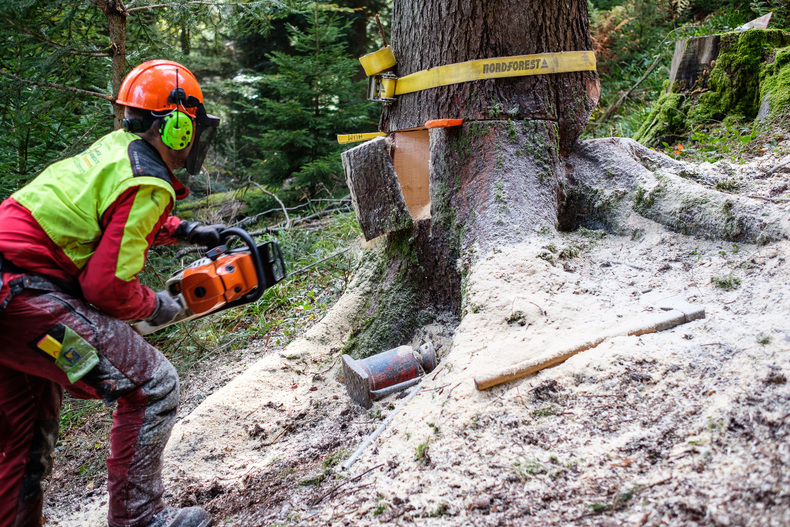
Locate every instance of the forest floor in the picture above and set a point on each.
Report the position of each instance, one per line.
(689, 426)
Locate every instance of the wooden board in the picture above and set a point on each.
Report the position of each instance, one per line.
(410, 158)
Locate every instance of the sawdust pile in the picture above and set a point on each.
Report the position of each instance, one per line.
(684, 427)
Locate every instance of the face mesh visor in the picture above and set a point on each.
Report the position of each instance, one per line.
(206, 128)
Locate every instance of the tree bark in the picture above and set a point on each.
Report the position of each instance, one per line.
(377, 198)
(436, 33)
(116, 15)
(497, 178)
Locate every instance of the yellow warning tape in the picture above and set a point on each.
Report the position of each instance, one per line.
(355, 138)
(516, 66)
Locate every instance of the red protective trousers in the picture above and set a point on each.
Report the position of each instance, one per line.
(131, 374)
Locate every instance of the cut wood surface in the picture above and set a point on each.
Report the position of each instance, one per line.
(693, 61)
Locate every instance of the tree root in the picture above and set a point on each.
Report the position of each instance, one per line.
(609, 179)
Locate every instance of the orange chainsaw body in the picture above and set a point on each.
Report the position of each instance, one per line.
(223, 279)
(209, 284)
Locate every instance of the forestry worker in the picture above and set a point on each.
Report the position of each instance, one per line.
(72, 243)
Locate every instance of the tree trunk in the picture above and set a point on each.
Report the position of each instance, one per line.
(436, 33)
(495, 180)
(116, 15)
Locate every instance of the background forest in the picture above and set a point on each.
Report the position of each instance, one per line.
(283, 76)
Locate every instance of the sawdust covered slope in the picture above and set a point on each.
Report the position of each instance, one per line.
(683, 427)
(687, 426)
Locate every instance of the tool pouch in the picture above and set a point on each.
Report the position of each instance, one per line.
(77, 357)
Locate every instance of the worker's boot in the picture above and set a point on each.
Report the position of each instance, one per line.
(187, 517)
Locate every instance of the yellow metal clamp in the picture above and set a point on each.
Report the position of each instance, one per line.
(378, 61)
(381, 87)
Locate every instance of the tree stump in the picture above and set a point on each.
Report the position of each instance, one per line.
(692, 63)
(737, 75)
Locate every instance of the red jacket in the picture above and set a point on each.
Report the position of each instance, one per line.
(124, 176)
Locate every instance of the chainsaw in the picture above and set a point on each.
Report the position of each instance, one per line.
(223, 279)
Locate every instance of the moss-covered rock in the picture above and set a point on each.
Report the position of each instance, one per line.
(775, 85)
(666, 121)
(751, 67)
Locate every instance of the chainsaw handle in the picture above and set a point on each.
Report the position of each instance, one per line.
(256, 293)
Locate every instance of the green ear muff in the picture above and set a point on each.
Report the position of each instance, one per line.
(176, 130)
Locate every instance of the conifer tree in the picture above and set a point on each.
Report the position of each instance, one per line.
(307, 102)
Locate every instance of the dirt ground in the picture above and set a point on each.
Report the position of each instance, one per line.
(688, 426)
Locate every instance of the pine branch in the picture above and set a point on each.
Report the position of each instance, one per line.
(58, 86)
(29, 32)
(159, 6)
(130, 9)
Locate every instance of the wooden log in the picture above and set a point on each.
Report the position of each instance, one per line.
(641, 326)
(376, 195)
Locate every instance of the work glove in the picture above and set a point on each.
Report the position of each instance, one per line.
(166, 310)
(194, 233)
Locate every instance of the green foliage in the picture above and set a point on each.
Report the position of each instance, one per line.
(752, 72)
(630, 35)
(56, 73)
(666, 122)
(309, 99)
(421, 452)
(734, 82)
(525, 468)
(727, 282)
(381, 507)
(712, 142)
(48, 43)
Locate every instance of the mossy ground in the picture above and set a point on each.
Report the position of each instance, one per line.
(752, 67)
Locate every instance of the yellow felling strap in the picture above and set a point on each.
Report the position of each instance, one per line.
(433, 123)
(517, 66)
(355, 138)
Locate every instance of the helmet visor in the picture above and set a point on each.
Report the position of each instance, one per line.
(206, 128)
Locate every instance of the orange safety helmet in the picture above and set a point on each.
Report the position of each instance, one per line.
(156, 85)
(162, 87)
